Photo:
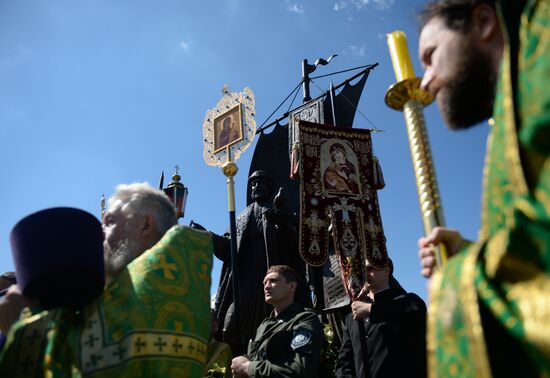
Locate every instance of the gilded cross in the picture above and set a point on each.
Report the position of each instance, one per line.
(314, 222)
(373, 227)
(167, 268)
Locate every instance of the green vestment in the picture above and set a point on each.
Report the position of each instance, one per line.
(219, 360)
(505, 276)
(153, 320)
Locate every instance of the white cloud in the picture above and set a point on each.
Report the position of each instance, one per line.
(383, 4)
(185, 45)
(358, 50)
(340, 5)
(295, 8)
(359, 4)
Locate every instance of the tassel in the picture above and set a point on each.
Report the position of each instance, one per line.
(294, 163)
(378, 177)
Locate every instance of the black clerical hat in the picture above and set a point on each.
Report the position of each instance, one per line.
(58, 256)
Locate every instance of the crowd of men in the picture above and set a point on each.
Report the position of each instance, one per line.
(489, 313)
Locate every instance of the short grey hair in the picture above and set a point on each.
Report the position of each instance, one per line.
(142, 198)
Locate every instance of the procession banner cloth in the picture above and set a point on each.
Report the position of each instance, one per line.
(337, 189)
(152, 320)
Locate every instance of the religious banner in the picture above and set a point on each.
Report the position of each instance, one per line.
(310, 112)
(338, 197)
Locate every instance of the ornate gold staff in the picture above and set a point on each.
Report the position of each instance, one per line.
(228, 130)
(407, 96)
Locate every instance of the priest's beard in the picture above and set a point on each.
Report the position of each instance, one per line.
(116, 259)
(469, 98)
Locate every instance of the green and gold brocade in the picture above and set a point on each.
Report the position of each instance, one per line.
(219, 360)
(152, 320)
(508, 269)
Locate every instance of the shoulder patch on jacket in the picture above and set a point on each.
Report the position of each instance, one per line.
(301, 338)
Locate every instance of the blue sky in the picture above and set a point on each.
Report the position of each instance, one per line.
(98, 93)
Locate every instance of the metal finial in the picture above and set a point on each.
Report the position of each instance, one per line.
(176, 177)
(102, 205)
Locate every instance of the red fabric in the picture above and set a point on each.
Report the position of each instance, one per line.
(337, 189)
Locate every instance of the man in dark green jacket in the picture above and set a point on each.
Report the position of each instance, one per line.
(288, 342)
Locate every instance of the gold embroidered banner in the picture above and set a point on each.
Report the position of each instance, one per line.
(337, 189)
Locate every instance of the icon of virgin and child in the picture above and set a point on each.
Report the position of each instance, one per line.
(340, 162)
(228, 128)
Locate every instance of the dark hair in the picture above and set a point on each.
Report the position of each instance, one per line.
(457, 14)
(284, 270)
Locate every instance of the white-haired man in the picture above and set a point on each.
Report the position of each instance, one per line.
(153, 316)
(137, 217)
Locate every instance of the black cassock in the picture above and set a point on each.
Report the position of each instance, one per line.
(395, 341)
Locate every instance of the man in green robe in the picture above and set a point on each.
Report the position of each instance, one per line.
(490, 304)
(153, 316)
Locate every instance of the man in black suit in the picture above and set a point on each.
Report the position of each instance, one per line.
(392, 342)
